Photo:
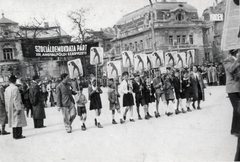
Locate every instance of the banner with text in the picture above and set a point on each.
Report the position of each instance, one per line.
(57, 50)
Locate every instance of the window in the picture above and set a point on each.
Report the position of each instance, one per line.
(150, 42)
(183, 39)
(126, 47)
(179, 17)
(136, 46)
(178, 39)
(131, 47)
(191, 39)
(7, 54)
(170, 38)
(141, 45)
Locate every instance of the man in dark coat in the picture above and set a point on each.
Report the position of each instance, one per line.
(197, 87)
(37, 99)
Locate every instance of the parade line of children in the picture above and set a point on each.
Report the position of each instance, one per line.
(168, 88)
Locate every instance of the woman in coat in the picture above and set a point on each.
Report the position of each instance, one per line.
(197, 87)
(15, 108)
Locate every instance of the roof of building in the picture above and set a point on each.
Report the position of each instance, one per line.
(42, 32)
(103, 35)
(165, 6)
(4, 20)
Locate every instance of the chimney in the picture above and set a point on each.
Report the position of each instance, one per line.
(46, 25)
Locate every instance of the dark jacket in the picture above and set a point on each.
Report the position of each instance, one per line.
(64, 95)
(37, 99)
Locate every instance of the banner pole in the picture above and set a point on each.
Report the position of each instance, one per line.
(96, 75)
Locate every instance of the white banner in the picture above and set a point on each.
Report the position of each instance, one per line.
(216, 17)
(158, 59)
(231, 28)
(140, 62)
(114, 69)
(127, 58)
(96, 55)
(75, 68)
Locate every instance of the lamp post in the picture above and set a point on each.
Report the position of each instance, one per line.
(152, 26)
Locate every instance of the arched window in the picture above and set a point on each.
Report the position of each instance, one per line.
(179, 17)
(7, 53)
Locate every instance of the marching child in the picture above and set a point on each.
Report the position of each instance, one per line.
(127, 90)
(81, 108)
(94, 92)
(113, 97)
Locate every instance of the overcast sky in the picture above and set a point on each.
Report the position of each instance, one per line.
(102, 13)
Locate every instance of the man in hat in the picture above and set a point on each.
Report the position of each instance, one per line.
(65, 101)
(232, 68)
(37, 99)
(15, 108)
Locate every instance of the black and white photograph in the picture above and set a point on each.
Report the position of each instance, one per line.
(119, 80)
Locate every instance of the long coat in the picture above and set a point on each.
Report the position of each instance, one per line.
(194, 84)
(13, 103)
(37, 98)
(212, 74)
(232, 69)
(3, 113)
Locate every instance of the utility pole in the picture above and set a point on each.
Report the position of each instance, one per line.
(152, 26)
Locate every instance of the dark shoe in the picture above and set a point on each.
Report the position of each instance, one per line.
(83, 127)
(198, 108)
(43, 126)
(132, 120)
(235, 134)
(114, 122)
(156, 114)
(193, 106)
(122, 121)
(177, 111)
(99, 125)
(95, 120)
(183, 111)
(124, 117)
(21, 137)
(5, 133)
(168, 113)
(188, 109)
(147, 117)
(139, 117)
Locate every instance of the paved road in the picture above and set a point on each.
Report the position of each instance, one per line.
(200, 135)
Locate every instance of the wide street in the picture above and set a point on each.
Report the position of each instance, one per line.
(200, 135)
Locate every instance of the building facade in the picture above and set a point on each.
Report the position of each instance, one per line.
(10, 49)
(214, 29)
(176, 25)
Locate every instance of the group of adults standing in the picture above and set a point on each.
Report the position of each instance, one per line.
(12, 107)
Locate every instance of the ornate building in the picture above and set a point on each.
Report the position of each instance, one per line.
(10, 49)
(176, 27)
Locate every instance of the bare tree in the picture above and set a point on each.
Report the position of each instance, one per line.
(78, 18)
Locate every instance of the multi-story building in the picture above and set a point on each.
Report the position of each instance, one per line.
(10, 49)
(214, 29)
(176, 25)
